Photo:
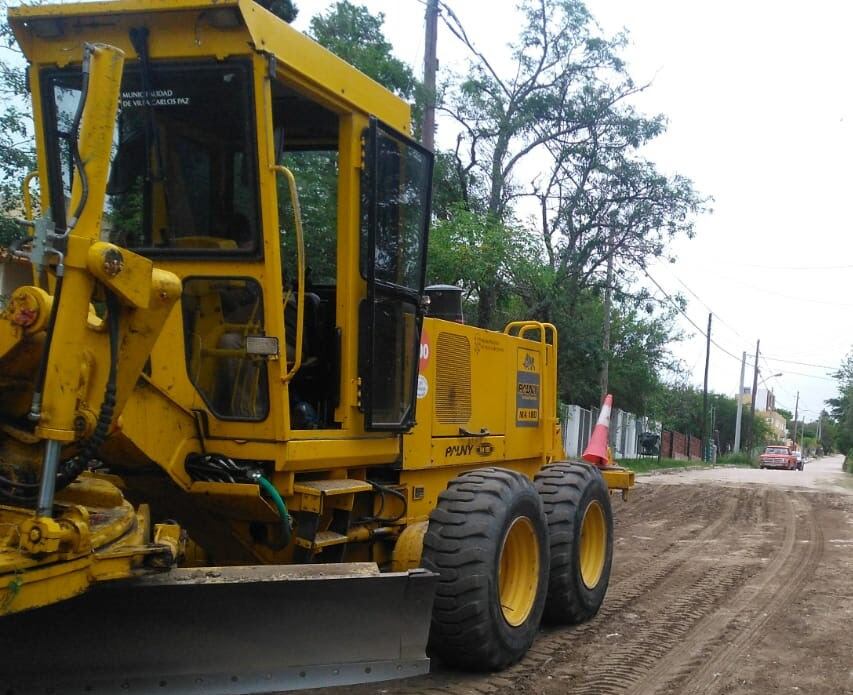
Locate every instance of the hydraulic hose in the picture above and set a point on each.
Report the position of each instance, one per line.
(269, 488)
(71, 468)
(75, 142)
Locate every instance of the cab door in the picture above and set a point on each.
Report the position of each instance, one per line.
(395, 202)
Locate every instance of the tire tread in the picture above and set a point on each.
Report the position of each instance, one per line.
(562, 486)
(459, 546)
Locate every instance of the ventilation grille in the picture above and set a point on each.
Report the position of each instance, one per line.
(453, 379)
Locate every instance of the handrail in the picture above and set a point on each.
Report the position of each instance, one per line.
(300, 272)
(25, 194)
(519, 328)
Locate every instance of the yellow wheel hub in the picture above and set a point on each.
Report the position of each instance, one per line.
(518, 577)
(593, 545)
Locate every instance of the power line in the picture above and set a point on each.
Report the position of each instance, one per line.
(791, 267)
(788, 371)
(791, 298)
(803, 364)
(708, 307)
(764, 357)
(691, 321)
(812, 376)
(779, 384)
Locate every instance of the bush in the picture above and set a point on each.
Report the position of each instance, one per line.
(739, 459)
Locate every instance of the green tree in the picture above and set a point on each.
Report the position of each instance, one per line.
(679, 408)
(828, 433)
(565, 102)
(284, 9)
(354, 34)
(639, 356)
(17, 149)
(472, 251)
(841, 408)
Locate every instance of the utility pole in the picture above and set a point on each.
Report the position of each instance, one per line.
(752, 401)
(796, 410)
(712, 440)
(430, 68)
(605, 337)
(817, 442)
(705, 456)
(740, 403)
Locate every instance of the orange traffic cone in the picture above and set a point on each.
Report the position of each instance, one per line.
(597, 451)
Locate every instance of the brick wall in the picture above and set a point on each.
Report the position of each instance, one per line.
(675, 445)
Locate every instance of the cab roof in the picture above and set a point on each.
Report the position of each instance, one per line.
(42, 29)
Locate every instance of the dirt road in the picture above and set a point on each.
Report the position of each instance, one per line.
(725, 581)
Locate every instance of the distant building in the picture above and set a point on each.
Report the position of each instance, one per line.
(766, 400)
(776, 422)
(765, 407)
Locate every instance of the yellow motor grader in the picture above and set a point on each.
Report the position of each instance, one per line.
(239, 450)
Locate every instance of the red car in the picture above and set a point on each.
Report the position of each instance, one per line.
(778, 456)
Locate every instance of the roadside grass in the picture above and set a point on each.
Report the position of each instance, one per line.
(644, 465)
(740, 459)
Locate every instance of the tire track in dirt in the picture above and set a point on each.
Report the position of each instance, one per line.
(653, 512)
(622, 662)
(727, 634)
(674, 591)
(671, 551)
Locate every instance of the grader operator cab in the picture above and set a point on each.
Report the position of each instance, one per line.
(220, 327)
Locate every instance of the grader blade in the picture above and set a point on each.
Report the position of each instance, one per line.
(225, 631)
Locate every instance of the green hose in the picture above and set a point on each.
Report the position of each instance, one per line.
(269, 488)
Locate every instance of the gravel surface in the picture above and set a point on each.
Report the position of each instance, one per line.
(726, 581)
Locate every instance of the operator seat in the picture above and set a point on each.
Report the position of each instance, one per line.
(306, 388)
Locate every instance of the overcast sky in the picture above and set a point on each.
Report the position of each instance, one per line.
(759, 101)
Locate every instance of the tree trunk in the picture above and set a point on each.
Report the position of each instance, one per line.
(486, 307)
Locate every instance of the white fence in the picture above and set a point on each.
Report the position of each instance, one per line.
(625, 430)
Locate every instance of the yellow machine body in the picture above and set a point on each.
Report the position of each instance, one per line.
(231, 364)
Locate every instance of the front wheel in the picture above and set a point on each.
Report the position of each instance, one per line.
(580, 526)
(487, 540)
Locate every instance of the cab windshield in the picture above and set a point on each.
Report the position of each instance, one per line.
(183, 175)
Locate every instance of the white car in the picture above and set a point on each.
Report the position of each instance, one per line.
(800, 460)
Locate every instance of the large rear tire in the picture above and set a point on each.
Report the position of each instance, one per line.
(488, 541)
(580, 528)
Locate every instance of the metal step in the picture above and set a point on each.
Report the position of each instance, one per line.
(329, 488)
(323, 539)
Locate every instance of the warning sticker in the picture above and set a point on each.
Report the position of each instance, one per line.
(527, 389)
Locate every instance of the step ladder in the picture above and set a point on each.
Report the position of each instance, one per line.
(315, 498)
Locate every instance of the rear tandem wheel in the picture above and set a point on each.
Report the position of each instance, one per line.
(580, 525)
(488, 541)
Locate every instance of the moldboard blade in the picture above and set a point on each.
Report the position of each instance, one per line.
(224, 631)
